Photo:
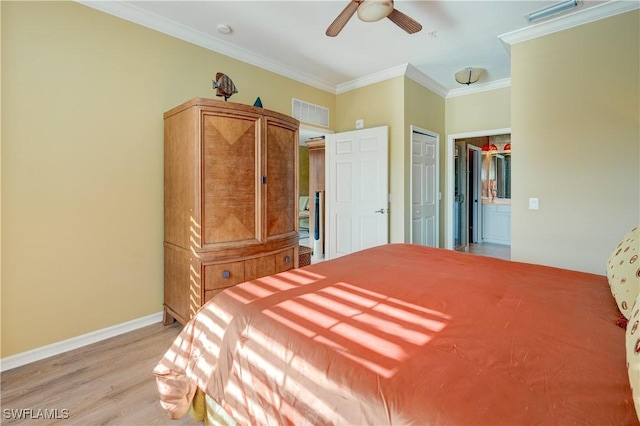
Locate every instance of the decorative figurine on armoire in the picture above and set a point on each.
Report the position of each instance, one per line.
(224, 86)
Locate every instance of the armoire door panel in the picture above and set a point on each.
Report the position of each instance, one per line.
(229, 179)
(281, 163)
(179, 183)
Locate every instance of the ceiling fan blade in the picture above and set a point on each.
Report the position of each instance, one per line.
(403, 21)
(338, 24)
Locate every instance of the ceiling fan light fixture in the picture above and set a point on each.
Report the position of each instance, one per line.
(374, 10)
(224, 29)
(469, 75)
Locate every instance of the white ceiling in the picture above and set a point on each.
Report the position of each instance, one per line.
(288, 37)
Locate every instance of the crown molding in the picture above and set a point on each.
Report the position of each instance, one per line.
(580, 17)
(427, 82)
(424, 80)
(478, 88)
(404, 70)
(376, 77)
(132, 13)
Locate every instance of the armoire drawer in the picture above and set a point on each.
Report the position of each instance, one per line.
(223, 275)
(284, 260)
(259, 267)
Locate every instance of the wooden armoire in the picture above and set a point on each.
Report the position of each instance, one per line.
(230, 200)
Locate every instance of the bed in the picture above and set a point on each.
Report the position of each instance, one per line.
(405, 334)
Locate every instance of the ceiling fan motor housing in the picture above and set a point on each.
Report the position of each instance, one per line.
(371, 11)
(374, 10)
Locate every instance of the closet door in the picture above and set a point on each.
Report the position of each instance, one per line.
(229, 179)
(281, 192)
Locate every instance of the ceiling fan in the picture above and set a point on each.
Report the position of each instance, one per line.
(371, 11)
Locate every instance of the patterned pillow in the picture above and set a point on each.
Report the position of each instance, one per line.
(633, 354)
(623, 271)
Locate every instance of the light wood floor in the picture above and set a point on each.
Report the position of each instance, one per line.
(491, 250)
(106, 383)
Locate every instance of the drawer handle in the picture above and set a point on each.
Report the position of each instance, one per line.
(226, 273)
(287, 259)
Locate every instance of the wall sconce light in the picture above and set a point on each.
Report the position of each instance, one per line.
(469, 75)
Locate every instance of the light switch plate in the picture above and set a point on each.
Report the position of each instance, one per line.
(534, 204)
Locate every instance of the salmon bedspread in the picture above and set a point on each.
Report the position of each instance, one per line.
(404, 334)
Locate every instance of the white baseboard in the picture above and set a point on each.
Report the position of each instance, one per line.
(13, 361)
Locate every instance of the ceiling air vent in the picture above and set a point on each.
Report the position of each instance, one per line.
(310, 113)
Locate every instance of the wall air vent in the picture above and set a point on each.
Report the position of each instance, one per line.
(310, 113)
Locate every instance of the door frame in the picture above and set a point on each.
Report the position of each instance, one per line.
(312, 131)
(475, 193)
(461, 176)
(449, 180)
(435, 135)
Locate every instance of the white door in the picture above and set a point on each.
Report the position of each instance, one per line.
(357, 190)
(424, 187)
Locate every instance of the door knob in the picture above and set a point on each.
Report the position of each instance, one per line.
(379, 211)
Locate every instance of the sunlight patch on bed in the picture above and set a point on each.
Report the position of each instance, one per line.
(264, 353)
(369, 328)
(302, 276)
(309, 314)
(217, 328)
(263, 287)
(232, 391)
(210, 331)
(291, 324)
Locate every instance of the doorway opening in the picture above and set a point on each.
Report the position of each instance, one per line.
(467, 193)
(310, 171)
(475, 220)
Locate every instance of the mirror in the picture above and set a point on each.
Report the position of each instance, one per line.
(496, 175)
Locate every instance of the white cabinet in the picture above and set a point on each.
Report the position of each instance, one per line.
(496, 223)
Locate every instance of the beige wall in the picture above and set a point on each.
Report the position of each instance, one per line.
(425, 109)
(82, 103)
(303, 170)
(479, 111)
(575, 131)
